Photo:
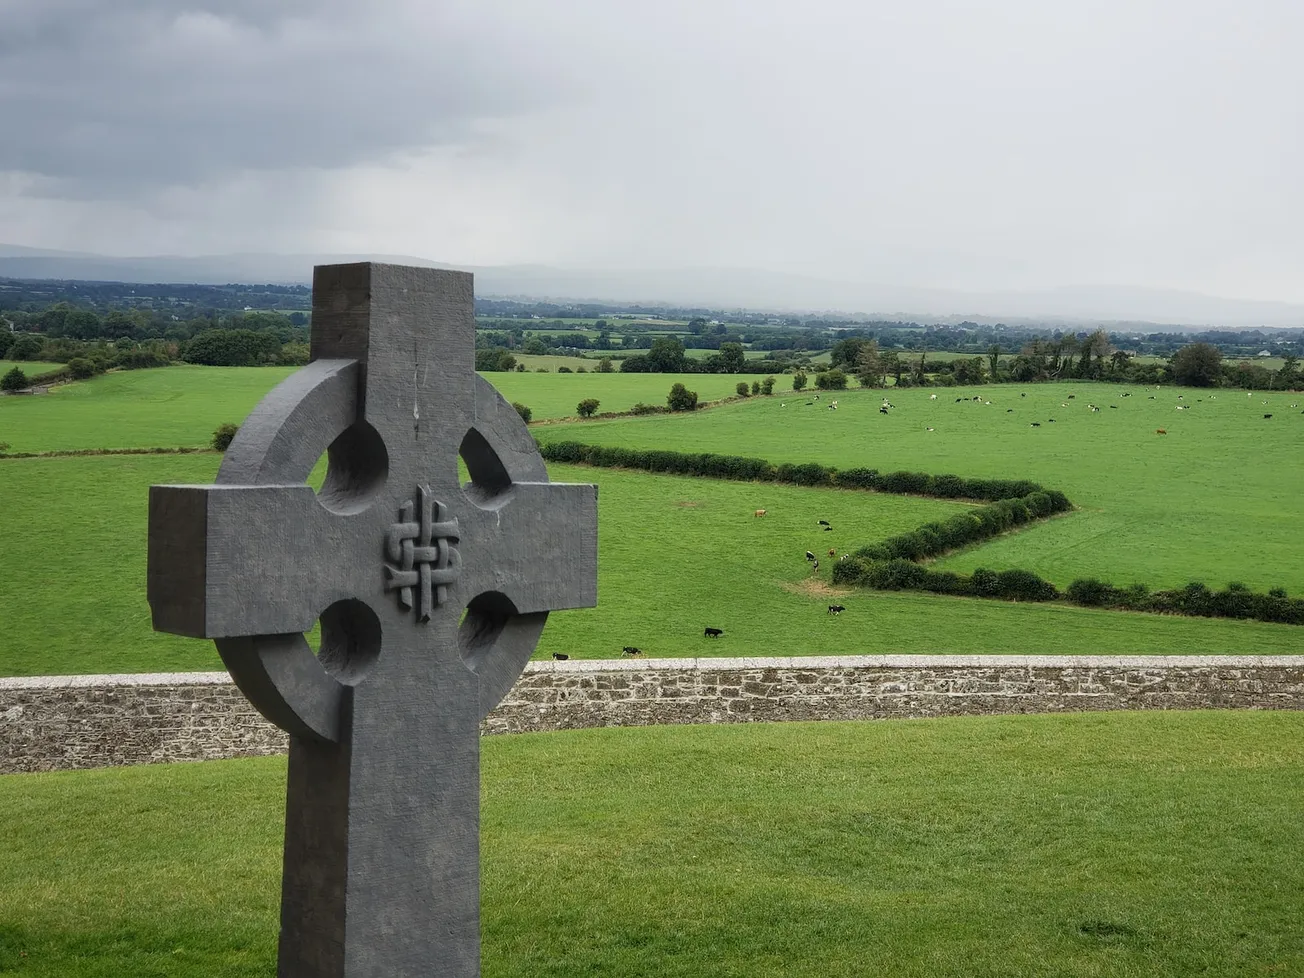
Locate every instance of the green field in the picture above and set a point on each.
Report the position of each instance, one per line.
(182, 405)
(1206, 502)
(676, 554)
(30, 367)
(1211, 500)
(1088, 846)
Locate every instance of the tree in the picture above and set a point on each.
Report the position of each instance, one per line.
(1288, 375)
(6, 339)
(767, 385)
(1119, 360)
(921, 375)
(587, 407)
(831, 380)
(732, 356)
(756, 387)
(741, 389)
(26, 347)
(799, 380)
(1197, 365)
(869, 365)
(81, 368)
(233, 347)
(697, 326)
(681, 398)
(604, 365)
(846, 352)
(494, 358)
(994, 355)
(666, 355)
(14, 380)
(525, 413)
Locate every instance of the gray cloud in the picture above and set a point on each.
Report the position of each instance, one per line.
(1012, 144)
(115, 98)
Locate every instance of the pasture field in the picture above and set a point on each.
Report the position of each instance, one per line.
(1215, 499)
(181, 405)
(30, 367)
(1101, 845)
(676, 554)
(534, 362)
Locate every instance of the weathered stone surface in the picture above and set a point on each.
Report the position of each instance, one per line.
(94, 721)
(431, 596)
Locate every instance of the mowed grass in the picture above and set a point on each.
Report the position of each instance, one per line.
(182, 405)
(32, 368)
(676, 555)
(1156, 844)
(1214, 499)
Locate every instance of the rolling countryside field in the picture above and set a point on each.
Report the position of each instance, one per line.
(1208, 501)
(1087, 846)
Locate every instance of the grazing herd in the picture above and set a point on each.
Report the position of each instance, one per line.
(885, 408)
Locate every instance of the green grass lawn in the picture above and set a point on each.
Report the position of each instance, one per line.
(676, 554)
(1096, 845)
(181, 405)
(1214, 499)
(32, 368)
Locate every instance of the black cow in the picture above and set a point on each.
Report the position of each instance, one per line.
(1036, 424)
(712, 632)
(560, 655)
(836, 609)
(822, 522)
(882, 410)
(809, 555)
(1267, 415)
(632, 650)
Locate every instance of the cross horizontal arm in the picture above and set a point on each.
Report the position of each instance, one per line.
(227, 561)
(541, 547)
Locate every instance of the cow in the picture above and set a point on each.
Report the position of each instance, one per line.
(1267, 416)
(882, 410)
(1113, 407)
(836, 609)
(1071, 396)
(932, 397)
(822, 522)
(712, 632)
(833, 553)
(809, 555)
(815, 567)
(1023, 395)
(560, 656)
(1160, 431)
(1036, 424)
(632, 650)
(1009, 410)
(828, 529)
(1051, 420)
(759, 512)
(928, 429)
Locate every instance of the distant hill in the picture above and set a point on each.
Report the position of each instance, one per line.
(711, 287)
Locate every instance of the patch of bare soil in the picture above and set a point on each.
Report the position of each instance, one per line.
(816, 588)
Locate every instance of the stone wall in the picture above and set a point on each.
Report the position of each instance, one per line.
(93, 721)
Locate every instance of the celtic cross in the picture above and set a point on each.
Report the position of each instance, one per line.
(431, 596)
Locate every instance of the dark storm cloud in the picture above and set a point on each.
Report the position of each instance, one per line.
(106, 99)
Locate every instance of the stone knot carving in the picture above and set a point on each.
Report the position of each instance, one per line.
(421, 546)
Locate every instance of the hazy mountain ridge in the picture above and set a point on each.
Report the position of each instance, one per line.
(711, 287)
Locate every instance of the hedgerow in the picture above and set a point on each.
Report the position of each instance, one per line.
(893, 564)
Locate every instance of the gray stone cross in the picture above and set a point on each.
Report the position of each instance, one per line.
(381, 869)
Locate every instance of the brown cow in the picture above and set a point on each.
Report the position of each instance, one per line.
(759, 512)
(1160, 431)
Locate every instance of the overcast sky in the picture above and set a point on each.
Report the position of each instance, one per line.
(974, 144)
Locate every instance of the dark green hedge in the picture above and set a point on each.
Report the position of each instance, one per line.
(1196, 599)
(901, 574)
(804, 474)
